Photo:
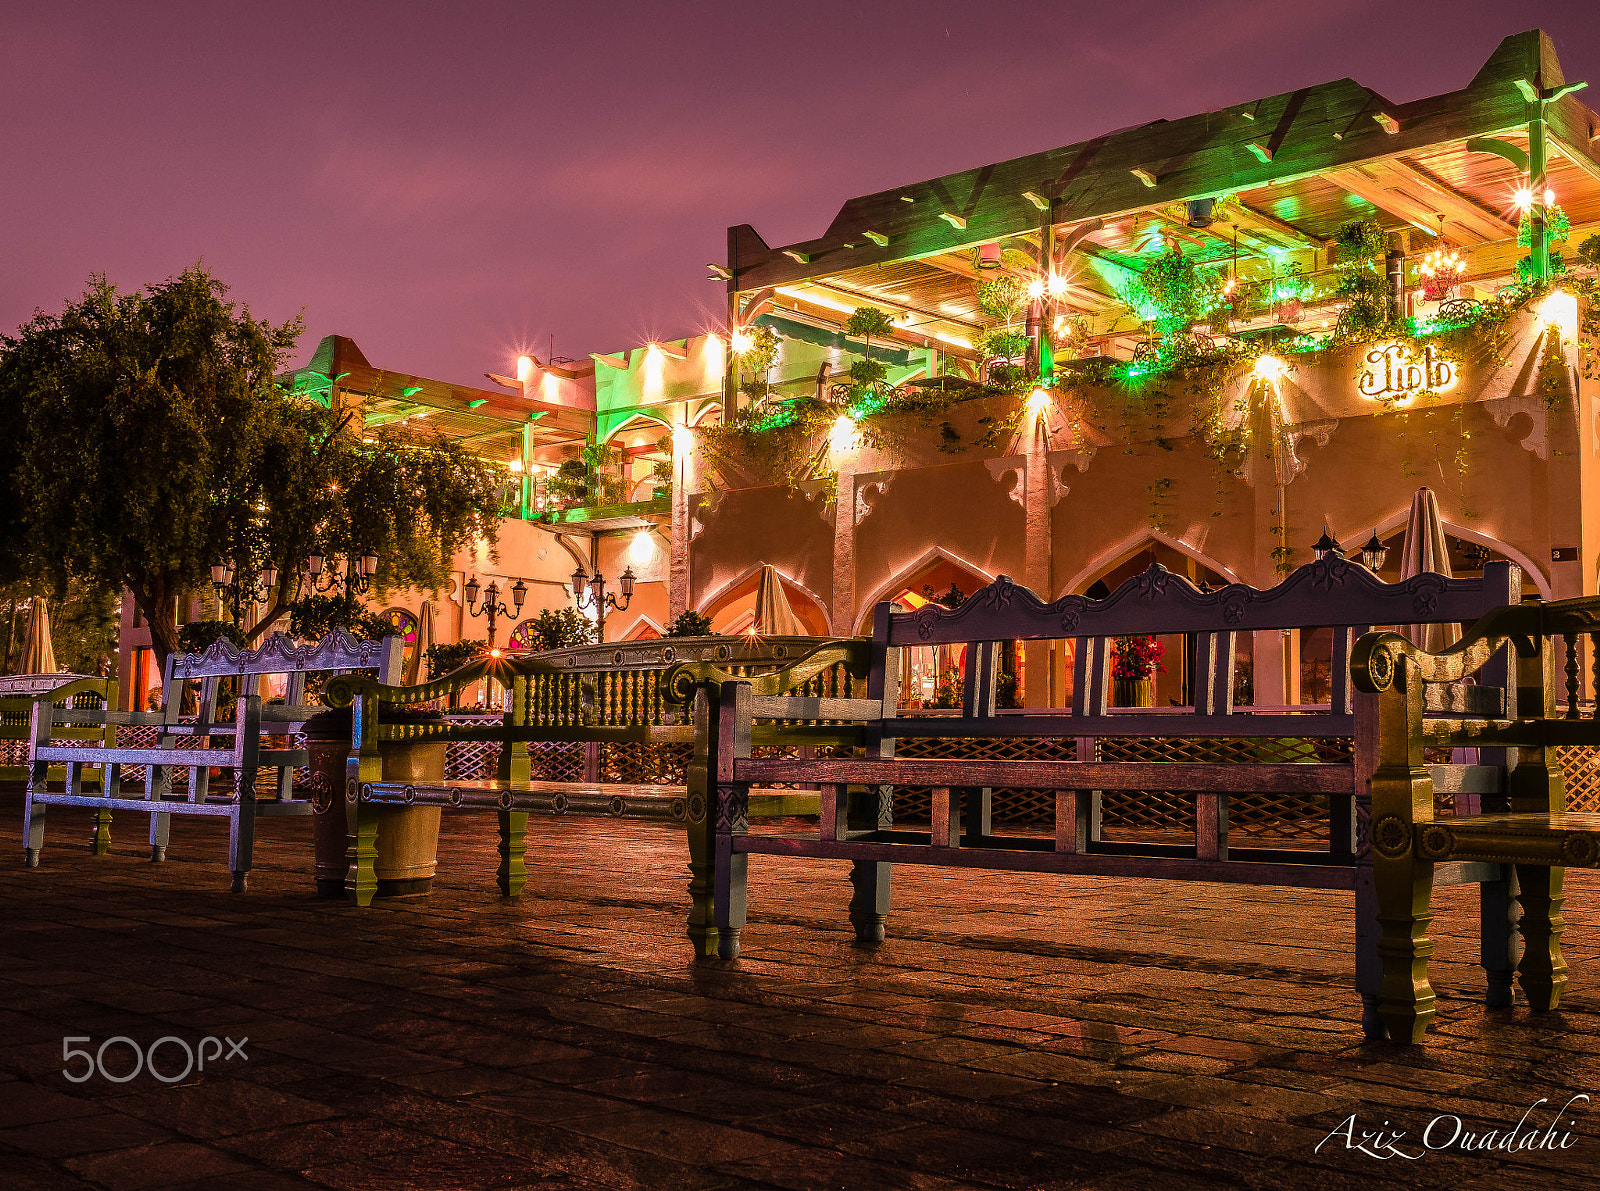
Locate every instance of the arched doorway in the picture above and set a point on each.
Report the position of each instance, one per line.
(930, 675)
(1174, 685)
(733, 608)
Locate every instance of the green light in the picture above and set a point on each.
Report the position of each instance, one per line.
(478, 402)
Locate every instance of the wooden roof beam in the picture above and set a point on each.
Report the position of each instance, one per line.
(1453, 204)
(1393, 200)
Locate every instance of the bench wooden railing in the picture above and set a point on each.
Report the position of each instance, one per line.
(596, 696)
(856, 800)
(1522, 830)
(243, 754)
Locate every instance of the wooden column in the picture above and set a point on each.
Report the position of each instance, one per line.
(844, 548)
(1037, 549)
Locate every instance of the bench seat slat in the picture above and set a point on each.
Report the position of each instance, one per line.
(183, 758)
(1333, 875)
(1057, 775)
(1162, 725)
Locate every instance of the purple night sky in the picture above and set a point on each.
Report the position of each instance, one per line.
(450, 183)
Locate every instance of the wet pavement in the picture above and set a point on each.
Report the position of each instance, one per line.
(1015, 1031)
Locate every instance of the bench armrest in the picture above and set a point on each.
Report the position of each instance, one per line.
(1376, 660)
(854, 653)
(347, 688)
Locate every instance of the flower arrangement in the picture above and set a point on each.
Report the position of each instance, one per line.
(1137, 657)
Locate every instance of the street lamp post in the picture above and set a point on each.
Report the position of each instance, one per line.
(493, 606)
(591, 593)
(234, 589)
(355, 580)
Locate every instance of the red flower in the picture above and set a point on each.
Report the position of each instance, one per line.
(1137, 656)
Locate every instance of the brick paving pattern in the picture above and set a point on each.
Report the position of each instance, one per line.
(1052, 1034)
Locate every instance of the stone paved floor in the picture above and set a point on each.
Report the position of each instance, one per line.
(1049, 1035)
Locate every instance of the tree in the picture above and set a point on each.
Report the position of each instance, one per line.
(139, 419)
(151, 441)
(560, 628)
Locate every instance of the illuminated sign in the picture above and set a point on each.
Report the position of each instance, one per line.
(1394, 375)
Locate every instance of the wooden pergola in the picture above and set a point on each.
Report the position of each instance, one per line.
(1438, 172)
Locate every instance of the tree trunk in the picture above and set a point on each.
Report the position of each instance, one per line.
(159, 603)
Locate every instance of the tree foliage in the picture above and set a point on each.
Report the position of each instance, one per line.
(560, 628)
(150, 440)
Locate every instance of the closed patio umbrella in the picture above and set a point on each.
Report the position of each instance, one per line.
(38, 654)
(774, 616)
(414, 668)
(1426, 550)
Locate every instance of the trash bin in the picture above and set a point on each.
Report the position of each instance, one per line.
(408, 836)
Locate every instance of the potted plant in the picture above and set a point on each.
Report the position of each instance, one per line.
(1134, 662)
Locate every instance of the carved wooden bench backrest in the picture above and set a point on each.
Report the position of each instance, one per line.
(337, 653)
(1333, 593)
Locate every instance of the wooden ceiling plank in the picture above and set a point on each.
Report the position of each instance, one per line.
(1452, 203)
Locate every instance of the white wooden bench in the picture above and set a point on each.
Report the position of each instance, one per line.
(243, 754)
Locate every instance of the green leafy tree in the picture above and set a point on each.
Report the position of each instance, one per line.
(560, 628)
(151, 441)
(690, 624)
(314, 617)
(141, 437)
(448, 657)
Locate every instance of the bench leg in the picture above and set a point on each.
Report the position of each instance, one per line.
(513, 873)
(731, 868)
(869, 899)
(1542, 972)
(241, 844)
(160, 834)
(1404, 894)
(702, 928)
(33, 830)
(1500, 943)
(1369, 967)
(363, 837)
(100, 838)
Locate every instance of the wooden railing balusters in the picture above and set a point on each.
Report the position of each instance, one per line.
(1571, 640)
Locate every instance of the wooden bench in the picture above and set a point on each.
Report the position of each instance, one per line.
(592, 696)
(243, 755)
(1522, 829)
(18, 694)
(856, 793)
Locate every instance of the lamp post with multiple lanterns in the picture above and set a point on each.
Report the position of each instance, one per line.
(590, 592)
(355, 579)
(236, 591)
(493, 607)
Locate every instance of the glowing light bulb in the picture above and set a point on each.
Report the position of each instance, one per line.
(1560, 310)
(524, 367)
(682, 440)
(1524, 199)
(1056, 285)
(842, 437)
(1038, 402)
(641, 550)
(1270, 368)
(515, 466)
(742, 342)
(1549, 197)
(1036, 288)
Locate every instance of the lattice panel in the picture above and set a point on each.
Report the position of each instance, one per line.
(645, 764)
(1582, 769)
